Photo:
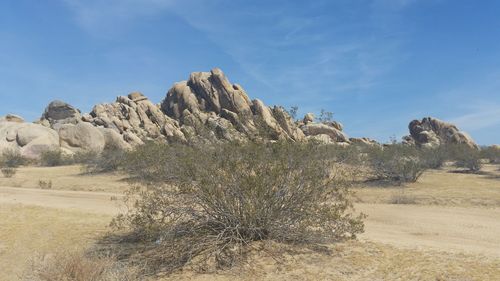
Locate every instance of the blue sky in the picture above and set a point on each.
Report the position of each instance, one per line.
(377, 64)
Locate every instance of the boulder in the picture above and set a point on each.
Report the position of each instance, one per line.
(27, 138)
(80, 137)
(313, 129)
(365, 141)
(431, 132)
(59, 113)
(12, 118)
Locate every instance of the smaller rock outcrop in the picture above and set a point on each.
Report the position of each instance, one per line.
(365, 141)
(136, 118)
(431, 132)
(324, 132)
(29, 139)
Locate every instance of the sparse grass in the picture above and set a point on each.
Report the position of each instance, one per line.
(67, 178)
(400, 197)
(27, 230)
(77, 266)
(440, 187)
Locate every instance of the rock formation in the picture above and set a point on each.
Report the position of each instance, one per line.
(205, 108)
(324, 132)
(209, 106)
(26, 138)
(431, 132)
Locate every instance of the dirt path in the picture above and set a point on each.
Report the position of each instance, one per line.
(471, 230)
(94, 202)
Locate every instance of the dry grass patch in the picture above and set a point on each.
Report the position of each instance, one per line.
(26, 230)
(67, 178)
(354, 261)
(441, 187)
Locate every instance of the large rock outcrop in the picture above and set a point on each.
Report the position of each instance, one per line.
(431, 132)
(210, 107)
(205, 108)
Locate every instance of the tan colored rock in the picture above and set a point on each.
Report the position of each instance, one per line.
(431, 132)
(27, 138)
(207, 96)
(313, 129)
(365, 141)
(80, 137)
(12, 118)
(112, 139)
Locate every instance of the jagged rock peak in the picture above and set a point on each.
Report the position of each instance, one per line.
(209, 100)
(433, 132)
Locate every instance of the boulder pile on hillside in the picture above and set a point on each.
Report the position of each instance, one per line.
(432, 132)
(204, 108)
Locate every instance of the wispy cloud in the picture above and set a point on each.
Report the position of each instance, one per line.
(101, 15)
(481, 118)
(301, 55)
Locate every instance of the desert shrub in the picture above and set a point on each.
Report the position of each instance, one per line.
(466, 157)
(396, 162)
(85, 157)
(492, 153)
(53, 158)
(45, 184)
(11, 159)
(109, 160)
(76, 266)
(153, 161)
(8, 172)
(434, 158)
(212, 202)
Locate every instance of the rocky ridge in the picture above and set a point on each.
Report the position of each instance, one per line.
(204, 108)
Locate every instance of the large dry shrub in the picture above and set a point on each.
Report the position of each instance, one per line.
(397, 162)
(210, 203)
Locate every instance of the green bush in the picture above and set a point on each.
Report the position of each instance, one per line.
(109, 160)
(466, 157)
(211, 202)
(396, 162)
(492, 153)
(434, 158)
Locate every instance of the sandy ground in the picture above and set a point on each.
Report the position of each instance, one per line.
(450, 232)
(471, 230)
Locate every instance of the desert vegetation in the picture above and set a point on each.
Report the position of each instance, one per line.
(211, 203)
